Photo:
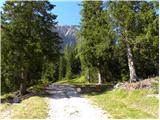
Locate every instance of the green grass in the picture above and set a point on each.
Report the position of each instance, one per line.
(76, 81)
(156, 78)
(122, 104)
(39, 87)
(4, 96)
(80, 81)
(33, 107)
(127, 104)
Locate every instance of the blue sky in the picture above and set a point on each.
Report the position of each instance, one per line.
(67, 11)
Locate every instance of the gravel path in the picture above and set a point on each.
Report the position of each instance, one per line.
(66, 104)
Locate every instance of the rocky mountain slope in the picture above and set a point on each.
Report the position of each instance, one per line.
(68, 34)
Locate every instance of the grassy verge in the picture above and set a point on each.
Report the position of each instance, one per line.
(127, 104)
(33, 107)
(76, 81)
(32, 89)
(121, 103)
(4, 96)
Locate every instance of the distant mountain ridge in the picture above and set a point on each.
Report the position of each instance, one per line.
(68, 34)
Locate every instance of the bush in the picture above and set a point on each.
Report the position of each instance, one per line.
(40, 86)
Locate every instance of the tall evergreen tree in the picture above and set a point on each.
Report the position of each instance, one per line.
(146, 42)
(61, 67)
(79, 49)
(136, 22)
(124, 15)
(97, 34)
(68, 57)
(27, 29)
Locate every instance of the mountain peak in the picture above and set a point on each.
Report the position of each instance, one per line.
(68, 34)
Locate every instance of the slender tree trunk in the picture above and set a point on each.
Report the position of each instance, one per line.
(132, 71)
(99, 78)
(88, 76)
(133, 75)
(23, 82)
(99, 74)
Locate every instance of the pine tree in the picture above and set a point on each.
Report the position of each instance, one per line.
(98, 37)
(68, 57)
(146, 42)
(124, 15)
(135, 23)
(61, 67)
(79, 49)
(27, 29)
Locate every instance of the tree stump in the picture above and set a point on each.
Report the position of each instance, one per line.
(98, 87)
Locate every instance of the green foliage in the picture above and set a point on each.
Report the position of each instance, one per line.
(136, 25)
(77, 81)
(28, 43)
(68, 71)
(97, 37)
(5, 96)
(36, 88)
(90, 75)
(146, 42)
(30, 47)
(49, 71)
(68, 57)
(61, 68)
(107, 28)
(95, 32)
(79, 48)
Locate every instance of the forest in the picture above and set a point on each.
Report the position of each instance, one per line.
(116, 41)
(107, 66)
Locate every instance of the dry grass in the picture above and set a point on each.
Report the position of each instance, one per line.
(31, 108)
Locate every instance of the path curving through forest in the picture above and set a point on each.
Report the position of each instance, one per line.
(66, 104)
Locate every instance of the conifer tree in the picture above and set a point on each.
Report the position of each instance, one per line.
(97, 34)
(68, 57)
(134, 22)
(61, 67)
(146, 42)
(27, 29)
(123, 13)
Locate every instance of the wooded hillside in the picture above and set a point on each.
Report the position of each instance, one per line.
(116, 41)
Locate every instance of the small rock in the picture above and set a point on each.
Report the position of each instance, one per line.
(16, 100)
(79, 90)
(118, 85)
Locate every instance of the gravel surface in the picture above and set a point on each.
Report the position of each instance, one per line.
(66, 104)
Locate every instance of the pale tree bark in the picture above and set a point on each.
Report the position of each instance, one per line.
(99, 74)
(88, 76)
(132, 71)
(99, 78)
